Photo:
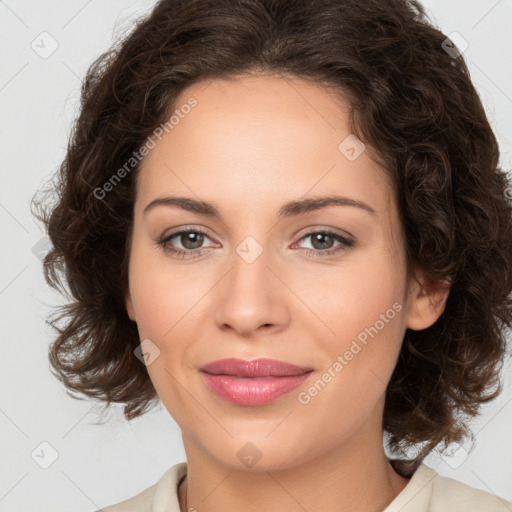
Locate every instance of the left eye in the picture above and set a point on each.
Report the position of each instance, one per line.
(322, 241)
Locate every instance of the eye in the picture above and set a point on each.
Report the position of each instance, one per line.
(191, 241)
(322, 242)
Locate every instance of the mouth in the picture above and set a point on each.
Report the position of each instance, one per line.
(253, 383)
(254, 368)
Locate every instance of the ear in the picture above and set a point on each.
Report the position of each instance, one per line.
(129, 304)
(427, 301)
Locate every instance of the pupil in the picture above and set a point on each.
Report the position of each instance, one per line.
(318, 238)
(189, 240)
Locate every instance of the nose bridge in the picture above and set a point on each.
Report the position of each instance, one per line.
(249, 295)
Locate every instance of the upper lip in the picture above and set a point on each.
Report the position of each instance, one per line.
(253, 368)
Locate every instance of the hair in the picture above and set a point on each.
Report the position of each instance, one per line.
(412, 102)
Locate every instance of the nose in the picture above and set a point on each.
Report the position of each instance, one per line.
(252, 299)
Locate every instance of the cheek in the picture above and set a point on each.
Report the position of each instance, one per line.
(163, 300)
(353, 297)
(162, 294)
(360, 324)
(170, 306)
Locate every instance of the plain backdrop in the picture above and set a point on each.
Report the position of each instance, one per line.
(46, 48)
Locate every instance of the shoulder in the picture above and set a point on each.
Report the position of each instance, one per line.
(428, 491)
(160, 496)
(141, 502)
(450, 494)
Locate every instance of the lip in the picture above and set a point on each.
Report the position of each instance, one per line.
(253, 383)
(254, 368)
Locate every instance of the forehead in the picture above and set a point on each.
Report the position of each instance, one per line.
(255, 139)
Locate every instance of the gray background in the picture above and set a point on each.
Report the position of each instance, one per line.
(97, 465)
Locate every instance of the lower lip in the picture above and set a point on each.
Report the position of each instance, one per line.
(252, 391)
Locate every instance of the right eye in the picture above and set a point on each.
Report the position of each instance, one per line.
(191, 241)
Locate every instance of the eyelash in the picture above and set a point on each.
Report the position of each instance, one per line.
(346, 243)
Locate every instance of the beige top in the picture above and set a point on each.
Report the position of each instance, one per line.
(426, 491)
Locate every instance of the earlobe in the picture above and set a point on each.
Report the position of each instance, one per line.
(129, 305)
(426, 303)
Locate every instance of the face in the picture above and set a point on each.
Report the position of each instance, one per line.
(323, 287)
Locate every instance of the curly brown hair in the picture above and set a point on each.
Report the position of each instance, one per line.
(412, 102)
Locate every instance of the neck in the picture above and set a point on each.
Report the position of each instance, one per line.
(353, 477)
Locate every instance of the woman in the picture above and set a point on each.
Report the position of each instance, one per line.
(286, 221)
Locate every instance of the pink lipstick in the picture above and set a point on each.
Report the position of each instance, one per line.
(252, 383)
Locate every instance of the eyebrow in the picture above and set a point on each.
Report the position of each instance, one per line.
(292, 208)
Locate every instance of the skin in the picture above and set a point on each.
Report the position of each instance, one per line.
(249, 146)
